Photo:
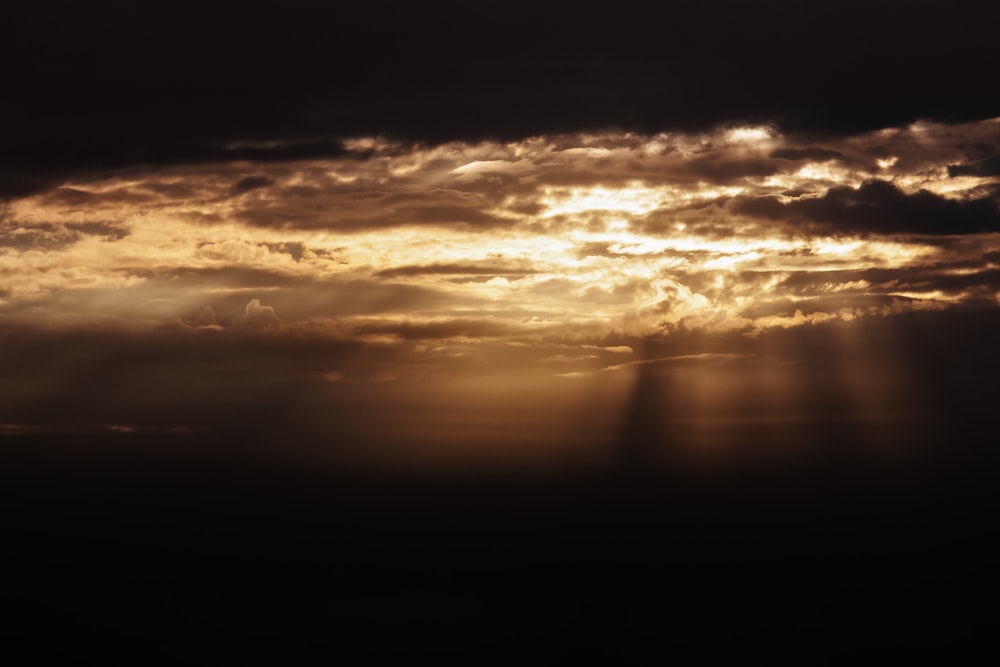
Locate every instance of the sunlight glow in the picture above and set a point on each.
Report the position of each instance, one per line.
(569, 235)
(634, 199)
(748, 134)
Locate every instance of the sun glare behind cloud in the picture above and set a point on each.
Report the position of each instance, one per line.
(492, 264)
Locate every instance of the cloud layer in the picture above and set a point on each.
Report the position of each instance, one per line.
(576, 236)
(386, 276)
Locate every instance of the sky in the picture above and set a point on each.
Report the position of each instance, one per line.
(467, 223)
(715, 237)
(489, 279)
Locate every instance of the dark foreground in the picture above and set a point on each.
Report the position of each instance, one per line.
(133, 551)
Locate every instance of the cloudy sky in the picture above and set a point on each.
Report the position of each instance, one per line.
(401, 330)
(407, 235)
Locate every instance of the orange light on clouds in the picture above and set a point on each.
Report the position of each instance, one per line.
(575, 237)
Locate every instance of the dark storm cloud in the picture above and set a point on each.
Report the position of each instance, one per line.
(27, 178)
(880, 207)
(605, 249)
(973, 280)
(289, 82)
(947, 279)
(248, 183)
(989, 166)
(723, 169)
(282, 151)
(15, 183)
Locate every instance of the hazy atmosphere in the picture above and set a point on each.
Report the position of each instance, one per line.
(506, 292)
